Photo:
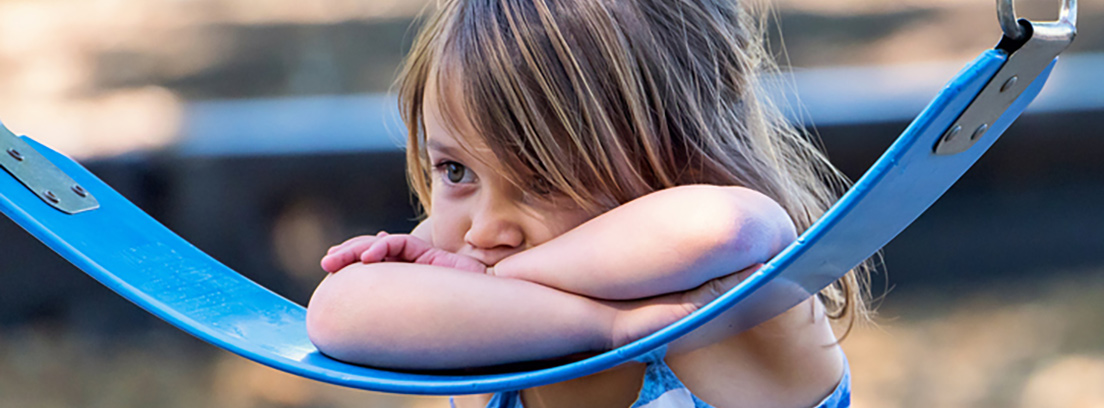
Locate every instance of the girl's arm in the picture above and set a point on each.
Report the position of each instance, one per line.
(668, 241)
(402, 315)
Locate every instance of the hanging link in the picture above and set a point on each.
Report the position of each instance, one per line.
(1028, 57)
(1010, 25)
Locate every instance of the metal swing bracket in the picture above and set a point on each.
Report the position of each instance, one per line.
(1031, 47)
(41, 176)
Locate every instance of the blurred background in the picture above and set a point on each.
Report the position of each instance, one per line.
(262, 131)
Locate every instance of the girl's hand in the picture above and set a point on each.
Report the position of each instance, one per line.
(640, 318)
(384, 247)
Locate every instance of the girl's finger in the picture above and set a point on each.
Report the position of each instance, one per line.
(357, 241)
(404, 248)
(377, 252)
(357, 246)
(347, 253)
(335, 261)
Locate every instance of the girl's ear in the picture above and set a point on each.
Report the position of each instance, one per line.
(424, 231)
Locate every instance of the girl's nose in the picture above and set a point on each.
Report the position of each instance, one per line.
(492, 228)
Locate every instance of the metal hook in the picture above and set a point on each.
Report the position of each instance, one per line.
(1069, 12)
(1006, 13)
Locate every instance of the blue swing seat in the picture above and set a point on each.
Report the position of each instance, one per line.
(137, 257)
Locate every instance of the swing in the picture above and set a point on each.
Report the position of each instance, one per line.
(109, 238)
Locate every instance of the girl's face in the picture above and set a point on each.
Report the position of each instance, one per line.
(475, 211)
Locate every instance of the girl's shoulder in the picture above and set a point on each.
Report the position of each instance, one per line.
(793, 359)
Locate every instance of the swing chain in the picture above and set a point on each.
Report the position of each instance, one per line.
(1006, 14)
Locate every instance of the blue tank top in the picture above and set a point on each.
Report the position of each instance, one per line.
(662, 389)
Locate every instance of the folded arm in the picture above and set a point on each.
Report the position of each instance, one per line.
(668, 241)
(412, 316)
(654, 260)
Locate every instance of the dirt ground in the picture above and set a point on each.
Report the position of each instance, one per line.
(1037, 343)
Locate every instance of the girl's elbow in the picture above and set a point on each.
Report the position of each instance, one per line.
(324, 325)
(768, 228)
(752, 223)
(337, 317)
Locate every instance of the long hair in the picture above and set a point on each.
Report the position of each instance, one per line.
(604, 101)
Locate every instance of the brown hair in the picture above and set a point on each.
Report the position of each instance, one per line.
(605, 101)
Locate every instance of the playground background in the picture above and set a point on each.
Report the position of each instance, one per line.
(257, 129)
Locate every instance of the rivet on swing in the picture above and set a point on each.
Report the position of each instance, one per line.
(1009, 83)
(79, 190)
(52, 197)
(951, 134)
(980, 131)
(15, 154)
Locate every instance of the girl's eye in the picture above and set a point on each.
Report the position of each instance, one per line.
(456, 173)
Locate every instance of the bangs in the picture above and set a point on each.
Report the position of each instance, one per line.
(510, 105)
(477, 119)
(542, 86)
(526, 151)
(596, 101)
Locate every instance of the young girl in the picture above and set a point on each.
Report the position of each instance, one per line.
(592, 171)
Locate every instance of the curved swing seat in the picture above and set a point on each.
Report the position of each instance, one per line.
(112, 240)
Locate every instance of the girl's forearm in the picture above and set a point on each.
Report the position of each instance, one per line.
(425, 317)
(668, 241)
